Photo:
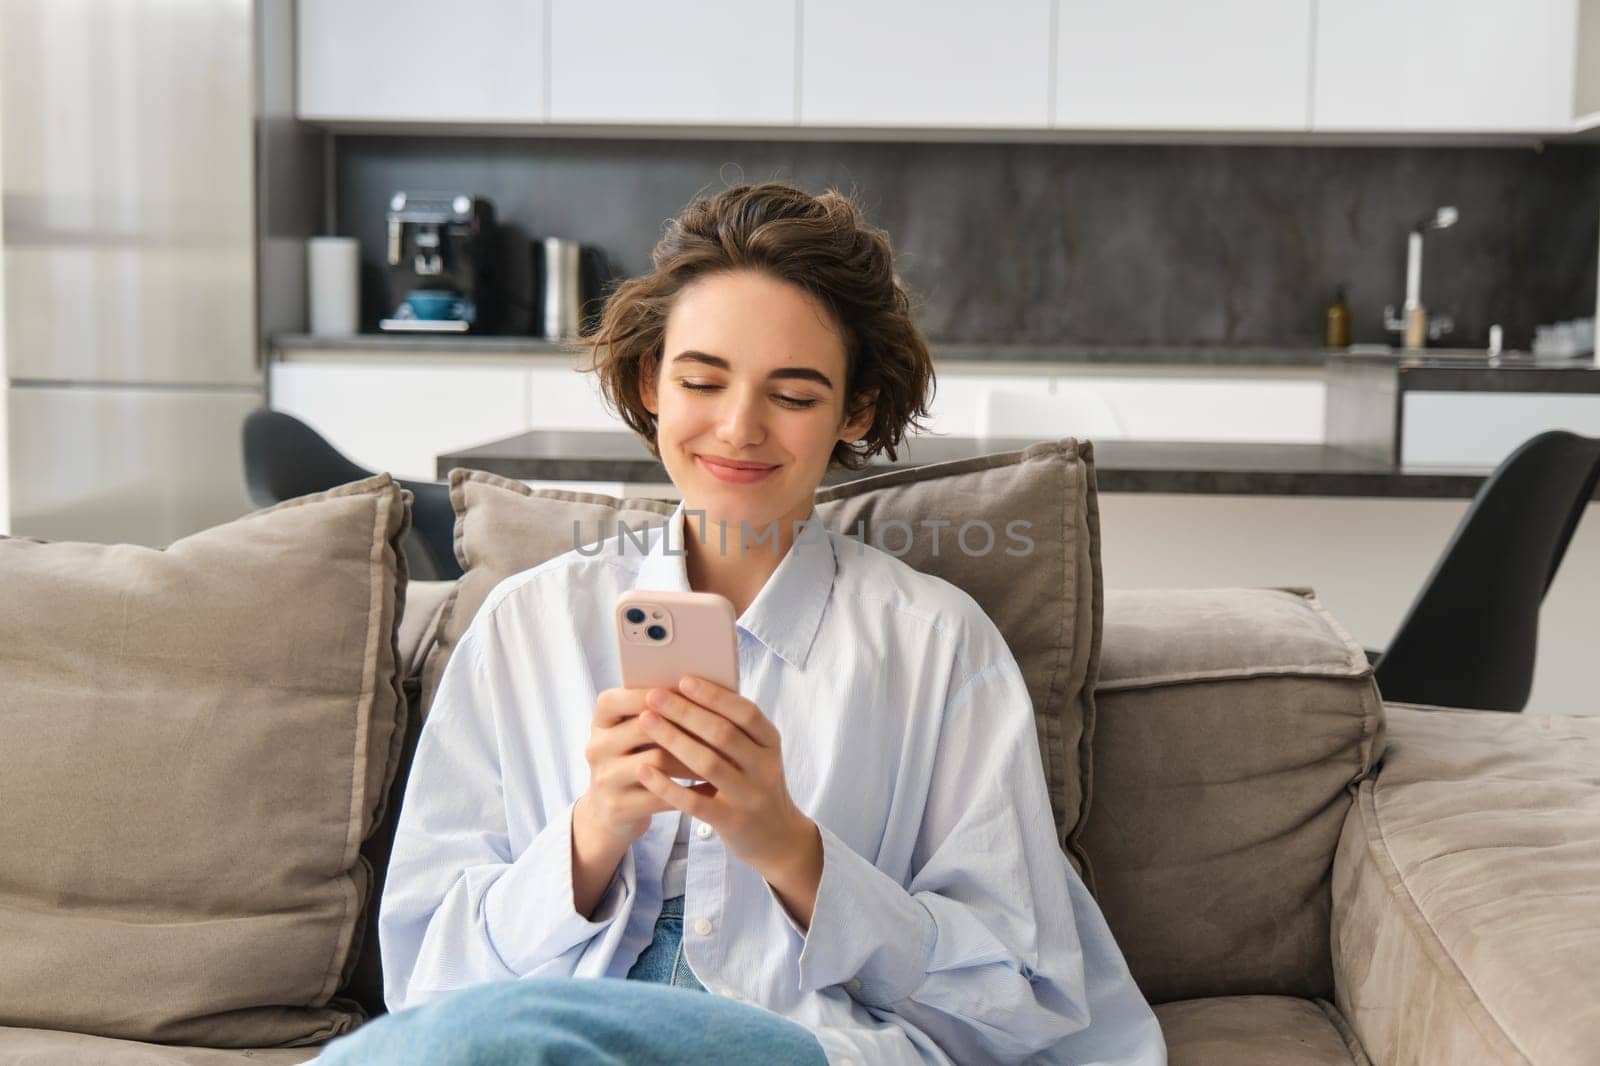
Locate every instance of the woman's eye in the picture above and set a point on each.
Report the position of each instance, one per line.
(796, 402)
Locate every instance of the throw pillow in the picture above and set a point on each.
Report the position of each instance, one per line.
(197, 742)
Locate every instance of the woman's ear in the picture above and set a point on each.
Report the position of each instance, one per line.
(859, 420)
(647, 384)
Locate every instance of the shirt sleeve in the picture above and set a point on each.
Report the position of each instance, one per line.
(458, 908)
(994, 949)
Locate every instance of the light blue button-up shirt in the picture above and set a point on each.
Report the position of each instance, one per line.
(948, 925)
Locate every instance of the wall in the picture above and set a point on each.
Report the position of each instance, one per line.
(1133, 244)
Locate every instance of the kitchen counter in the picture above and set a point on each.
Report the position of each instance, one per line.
(1121, 466)
(1424, 407)
(295, 347)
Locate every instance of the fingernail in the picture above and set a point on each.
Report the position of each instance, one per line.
(655, 697)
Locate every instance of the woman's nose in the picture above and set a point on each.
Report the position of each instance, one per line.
(740, 421)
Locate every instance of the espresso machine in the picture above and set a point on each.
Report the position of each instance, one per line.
(440, 264)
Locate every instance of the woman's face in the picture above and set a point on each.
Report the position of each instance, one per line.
(749, 398)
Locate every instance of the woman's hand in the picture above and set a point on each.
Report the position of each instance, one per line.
(725, 740)
(616, 805)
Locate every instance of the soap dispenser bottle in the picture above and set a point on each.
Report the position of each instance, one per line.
(1337, 331)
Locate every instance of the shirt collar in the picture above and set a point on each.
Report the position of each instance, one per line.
(785, 614)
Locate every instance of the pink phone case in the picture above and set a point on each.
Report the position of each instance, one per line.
(663, 635)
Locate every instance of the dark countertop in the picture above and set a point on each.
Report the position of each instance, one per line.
(1121, 466)
(1514, 372)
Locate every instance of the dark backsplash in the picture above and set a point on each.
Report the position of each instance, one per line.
(1081, 244)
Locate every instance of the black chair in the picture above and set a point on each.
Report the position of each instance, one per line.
(1469, 638)
(285, 458)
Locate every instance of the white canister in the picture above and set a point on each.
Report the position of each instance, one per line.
(333, 277)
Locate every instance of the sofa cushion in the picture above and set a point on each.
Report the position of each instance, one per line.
(1039, 580)
(419, 626)
(1467, 891)
(51, 1047)
(1257, 1031)
(1230, 725)
(198, 740)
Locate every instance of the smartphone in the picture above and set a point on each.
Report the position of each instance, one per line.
(663, 635)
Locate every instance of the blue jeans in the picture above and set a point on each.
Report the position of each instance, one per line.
(663, 961)
(655, 1017)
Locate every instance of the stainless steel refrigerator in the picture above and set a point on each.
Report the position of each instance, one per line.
(132, 138)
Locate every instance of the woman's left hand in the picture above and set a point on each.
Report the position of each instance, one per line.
(726, 740)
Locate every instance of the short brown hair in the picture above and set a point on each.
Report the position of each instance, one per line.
(821, 244)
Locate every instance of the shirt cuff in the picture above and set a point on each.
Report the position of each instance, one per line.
(611, 901)
(867, 932)
(530, 911)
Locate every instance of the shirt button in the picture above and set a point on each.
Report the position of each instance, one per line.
(702, 926)
(853, 985)
(703, 831)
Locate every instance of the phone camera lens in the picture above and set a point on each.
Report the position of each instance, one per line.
(635, 615)
(657, 632)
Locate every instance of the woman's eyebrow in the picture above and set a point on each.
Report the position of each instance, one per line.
(798, 373)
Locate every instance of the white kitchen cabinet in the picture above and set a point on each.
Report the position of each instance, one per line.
(1261, 410)
(397, 418)
(1479, 429)
(924, 63)
(694, 61)
(412, 60)
(958, 398)
(563, 397)
(1180, 65)
(1142, 406)
(400, 415)
(1444, 65)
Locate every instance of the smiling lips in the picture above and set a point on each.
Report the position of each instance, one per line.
(735, 471)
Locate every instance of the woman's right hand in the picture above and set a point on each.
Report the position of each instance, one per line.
(617, 807)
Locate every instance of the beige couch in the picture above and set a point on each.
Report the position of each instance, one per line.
(1297, 874)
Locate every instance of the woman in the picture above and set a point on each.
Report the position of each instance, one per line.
(868, 872)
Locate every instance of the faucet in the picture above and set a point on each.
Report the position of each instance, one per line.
(1415, 324)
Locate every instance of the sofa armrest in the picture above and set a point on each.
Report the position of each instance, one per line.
(1466, 888)
(1229, 725)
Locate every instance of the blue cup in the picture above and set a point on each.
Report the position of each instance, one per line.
(435, 305)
